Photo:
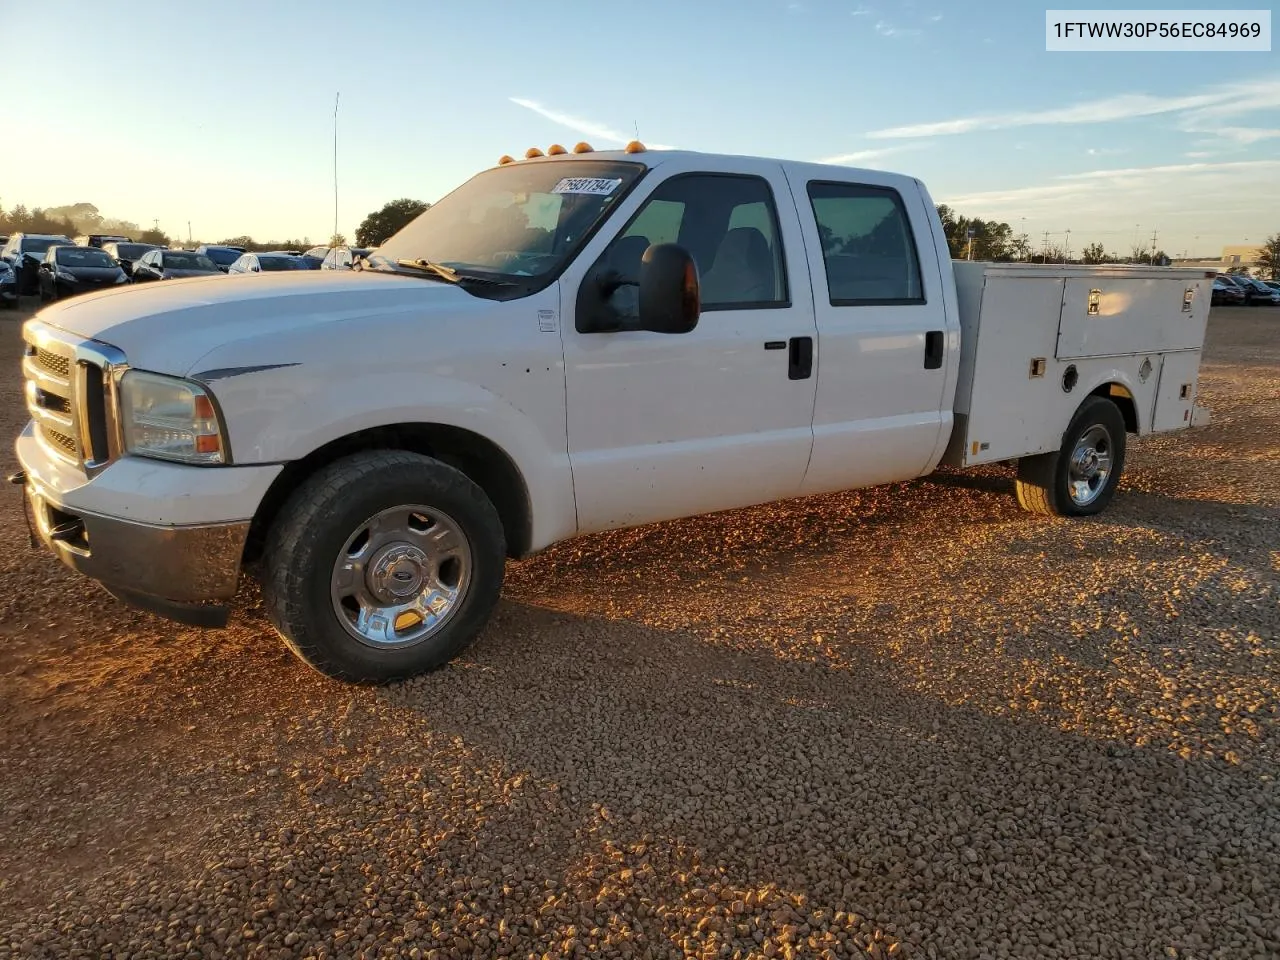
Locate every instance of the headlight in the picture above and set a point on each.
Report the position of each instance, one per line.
(63, 275)
(170, 418)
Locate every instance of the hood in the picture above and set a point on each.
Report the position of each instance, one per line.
(92, 273)
(167, 327)
(35, 254)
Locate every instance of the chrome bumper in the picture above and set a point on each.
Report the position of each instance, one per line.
(168, 570)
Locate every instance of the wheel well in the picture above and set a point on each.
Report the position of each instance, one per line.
(478, 457)
(1119, 394)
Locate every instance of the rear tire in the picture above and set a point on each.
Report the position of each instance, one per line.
(1080, 479)
(373, 540)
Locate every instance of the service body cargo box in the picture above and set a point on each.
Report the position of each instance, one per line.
(1036, 339)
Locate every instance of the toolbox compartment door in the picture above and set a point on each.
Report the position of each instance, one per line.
(1115, 317)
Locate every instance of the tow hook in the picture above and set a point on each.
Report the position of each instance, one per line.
(18, 479)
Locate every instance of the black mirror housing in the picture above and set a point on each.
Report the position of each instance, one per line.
(670, 290)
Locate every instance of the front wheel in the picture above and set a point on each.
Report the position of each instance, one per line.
(383, 565)
(1079, 479)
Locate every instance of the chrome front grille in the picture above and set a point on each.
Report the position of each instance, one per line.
(71, 394)
(54, 364)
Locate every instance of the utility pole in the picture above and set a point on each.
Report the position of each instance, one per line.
(1066, 253)
(335, 162)
(1153, 247)
(188, 233)
(1044, 249)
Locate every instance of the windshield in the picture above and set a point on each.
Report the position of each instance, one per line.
(281, 263)
(82, 257)
(519, 220)
(41, 244)
(130, 251)
(222, 257)
(188, 261)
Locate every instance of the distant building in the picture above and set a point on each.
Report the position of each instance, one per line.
(1245, 255)
(1237, 257)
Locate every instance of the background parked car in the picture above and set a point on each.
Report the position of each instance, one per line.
(70, 269)
(172, 265)
(340, 258)
(24, 252)
(100, 239)
(1252, 294)
(1226, 292)
(1263, 295)
(315, 256)
(259, 262)
(8, 286)
(223, 256)
(127, 254)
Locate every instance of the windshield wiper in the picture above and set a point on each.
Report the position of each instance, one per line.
(439, 269)
(452, 275)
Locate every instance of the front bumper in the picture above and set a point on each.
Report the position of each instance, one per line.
(154, 556)
(171, 571)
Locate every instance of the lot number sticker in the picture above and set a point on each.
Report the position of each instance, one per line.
(593, 186)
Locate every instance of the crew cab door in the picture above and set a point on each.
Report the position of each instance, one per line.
(670, 425)
(888, 346)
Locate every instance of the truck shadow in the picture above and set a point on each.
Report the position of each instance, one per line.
(837, 787)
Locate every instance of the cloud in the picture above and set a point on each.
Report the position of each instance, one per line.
(886, 29)
(935, 18)
(865, 158)
(1217, 102)
(1177, 168)
(1110, 201)
(861, 12)
(587, 128)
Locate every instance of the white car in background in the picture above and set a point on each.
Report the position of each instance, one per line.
(259, 262)
(341, 258)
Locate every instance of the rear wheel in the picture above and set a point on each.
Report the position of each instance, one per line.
(383, 565)
(1079, 479)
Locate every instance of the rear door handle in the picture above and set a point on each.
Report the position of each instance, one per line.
(933, 350)
(800, 358)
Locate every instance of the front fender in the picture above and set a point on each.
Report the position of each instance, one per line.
(284, 413)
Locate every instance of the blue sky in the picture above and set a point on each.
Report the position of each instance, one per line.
(222, 114)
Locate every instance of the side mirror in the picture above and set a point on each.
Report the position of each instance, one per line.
(670, 290)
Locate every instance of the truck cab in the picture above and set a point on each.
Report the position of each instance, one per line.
(568, 343)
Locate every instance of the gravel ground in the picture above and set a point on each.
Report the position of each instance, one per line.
(906, 722)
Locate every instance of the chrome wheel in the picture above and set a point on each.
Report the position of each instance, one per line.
(400, 576)
(1090, 465)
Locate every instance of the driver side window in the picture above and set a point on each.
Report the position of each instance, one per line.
(728, 222)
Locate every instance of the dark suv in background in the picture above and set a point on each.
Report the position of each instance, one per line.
(24, 252)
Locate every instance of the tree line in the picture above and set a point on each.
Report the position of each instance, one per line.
(991, 240)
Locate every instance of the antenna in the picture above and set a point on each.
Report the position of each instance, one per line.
(335, 162)
(637, 126)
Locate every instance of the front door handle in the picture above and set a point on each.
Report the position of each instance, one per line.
(800, 358)
(933, 350)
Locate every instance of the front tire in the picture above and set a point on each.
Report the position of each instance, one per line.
(383, 565)
(1080, 479)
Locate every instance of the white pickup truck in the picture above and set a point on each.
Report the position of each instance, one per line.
(564, 344)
